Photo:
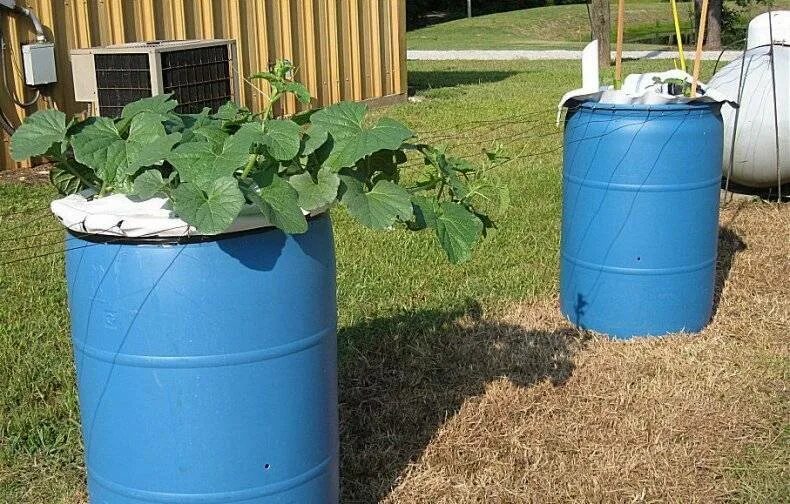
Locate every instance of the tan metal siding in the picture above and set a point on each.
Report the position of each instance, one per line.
(343, 49)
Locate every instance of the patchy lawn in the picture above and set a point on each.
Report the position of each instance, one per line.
(462, 384)
(648, 24)
(540, 413)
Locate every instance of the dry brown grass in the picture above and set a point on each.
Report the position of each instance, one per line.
(458, 408)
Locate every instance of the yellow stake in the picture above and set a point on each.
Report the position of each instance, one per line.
(678, 35)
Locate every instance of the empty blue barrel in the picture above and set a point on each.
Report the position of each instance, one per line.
(207, 369)
(640, 217)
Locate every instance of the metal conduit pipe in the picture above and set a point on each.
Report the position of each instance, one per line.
(21, 9)
(37, 26)
(6, 124)
(12, 5)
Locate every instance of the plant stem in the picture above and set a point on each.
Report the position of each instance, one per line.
(268, 112)
(249, 166)
(266, 116)
(441, 190)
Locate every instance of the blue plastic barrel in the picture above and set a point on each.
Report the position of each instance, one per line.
(640, 217)
(207, 370)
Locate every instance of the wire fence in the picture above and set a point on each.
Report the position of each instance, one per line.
(27, 235)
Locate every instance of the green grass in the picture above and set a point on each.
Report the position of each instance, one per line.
(381, 276)
(648, 24)
(40, 455)
(556, 26)
(763, 469)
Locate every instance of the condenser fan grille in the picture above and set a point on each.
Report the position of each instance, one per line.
(198, 73)
(197, 78)
(121, 79)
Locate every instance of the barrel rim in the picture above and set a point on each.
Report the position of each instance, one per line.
(186, 239)
(668, 107)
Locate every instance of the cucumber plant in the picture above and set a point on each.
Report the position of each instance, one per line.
(672, 86)
(213, 165)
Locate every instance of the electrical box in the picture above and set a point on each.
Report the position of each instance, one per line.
(199, 73)
(39, 63)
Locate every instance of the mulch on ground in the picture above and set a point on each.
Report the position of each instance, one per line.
(36, 175)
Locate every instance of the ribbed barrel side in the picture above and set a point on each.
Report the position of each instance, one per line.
(640, 217)
(207, 371)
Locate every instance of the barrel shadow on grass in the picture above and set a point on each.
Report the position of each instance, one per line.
(730, 244)
(402, 377)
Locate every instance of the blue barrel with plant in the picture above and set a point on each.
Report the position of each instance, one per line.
(640, 216)
(209, 374)
(201, 279)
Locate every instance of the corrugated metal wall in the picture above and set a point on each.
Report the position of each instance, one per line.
(344, 49)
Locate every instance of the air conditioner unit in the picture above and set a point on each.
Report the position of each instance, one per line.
(199, 73)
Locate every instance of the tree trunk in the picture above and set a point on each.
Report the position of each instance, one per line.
(714, 22)
(697, 9)
(713, 37)
(601, 30)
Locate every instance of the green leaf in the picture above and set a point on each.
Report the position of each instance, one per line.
(250, 133)
(379, 207)
(278, 201)
(200, 163)
(160, 105)
(69, 177)
(353, 141)
(449, 169)
(316, 137)
(101, 147)
(212, 209)
(282, 69)
(38, 134)
(458, 230)
(215, 135)
(490, 195)
(342, 120)
(319, 193)
(192, 121)
(228, 111)
(425, 210)
(64, 181)
(282, 138)
(149, 184)
(303, 118)
(279, 80)
(300, 91)
(148, 143)
(268, 76)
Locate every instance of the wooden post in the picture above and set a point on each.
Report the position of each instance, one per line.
(468, 8)
(703, 18)
(618, 59)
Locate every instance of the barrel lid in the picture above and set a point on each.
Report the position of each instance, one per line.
(122, 216)
(643, 91)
